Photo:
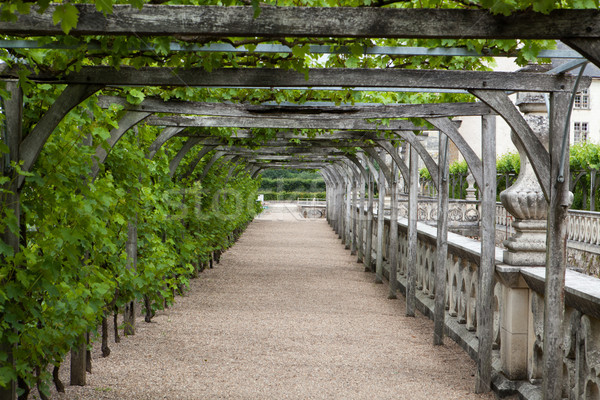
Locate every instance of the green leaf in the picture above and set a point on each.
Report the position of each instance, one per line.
(135, 96)
(256, 8)
(104, 6)
(67, 15)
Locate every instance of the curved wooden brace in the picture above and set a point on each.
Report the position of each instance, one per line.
(446, 126)
(414, 141)
(128, 121)
(31, 146)
(161, 139)
(364, 157)
(211, 162)
(360, 167)
(391, 150)
(387, 172)
(536, 152)
(194, 163)
(588, 47)
(187, 146)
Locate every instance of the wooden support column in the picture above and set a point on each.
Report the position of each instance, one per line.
(556, 253)
(485, 294)
(393, 251)
(380, 226)
(354, 214)
(369, 238)
(439, 313)
(411, 254)
(348, 223)
(131, 250)
(361, 220)
(10, 200)
(78, 364)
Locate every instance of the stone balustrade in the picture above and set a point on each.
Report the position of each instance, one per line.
(518, 313)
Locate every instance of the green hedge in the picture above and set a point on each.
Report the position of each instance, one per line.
(293, 195)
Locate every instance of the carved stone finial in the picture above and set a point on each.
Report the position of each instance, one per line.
(471, 188)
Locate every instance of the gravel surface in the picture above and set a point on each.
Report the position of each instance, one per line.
(287, 314)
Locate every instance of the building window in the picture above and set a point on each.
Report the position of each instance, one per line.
(582, 100)
(580, 131)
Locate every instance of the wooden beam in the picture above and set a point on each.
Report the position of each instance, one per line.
(279, 123)
(317, 78)
(300, 111)
(212, 21)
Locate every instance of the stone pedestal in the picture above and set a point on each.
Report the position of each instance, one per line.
(514, 328)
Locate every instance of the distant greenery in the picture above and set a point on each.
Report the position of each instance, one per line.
(584, 158)
(291, 184)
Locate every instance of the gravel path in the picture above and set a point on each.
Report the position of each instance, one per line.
(287, 314)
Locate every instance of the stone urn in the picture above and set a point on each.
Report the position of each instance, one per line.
(525, 200)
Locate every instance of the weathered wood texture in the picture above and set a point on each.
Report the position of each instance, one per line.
(280, 123)
(313, 22)
(317, 78)
(439, 312)
(369, 239)
(301, 111)
(131, 248)
(473, 161)
(393, 249)
(415, 143)
(187, 146)
(380, 226)
(78, 364)
(536, 152)
(161, 139)
(556, 254)
(411, 253)
(487, 266)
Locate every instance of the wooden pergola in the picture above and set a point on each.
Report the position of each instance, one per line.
(580, 29)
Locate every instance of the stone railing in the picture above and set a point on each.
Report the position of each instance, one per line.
(518, 313)
(463, 215)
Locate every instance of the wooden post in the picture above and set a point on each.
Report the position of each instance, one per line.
(439, 313)
(369, 239)
(348, 238)
(361, 219)
(380, 226)
(131, 249)
(12, 135)
(411, 256)
(393, 286)
(354, 214)
(78, 364)
(485, 294)
(556, 253)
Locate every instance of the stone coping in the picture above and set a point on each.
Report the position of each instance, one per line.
(582, 291)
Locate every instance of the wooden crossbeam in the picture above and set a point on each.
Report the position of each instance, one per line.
(280, 123)
(213, 21)
(317, 78)
(301, 111)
